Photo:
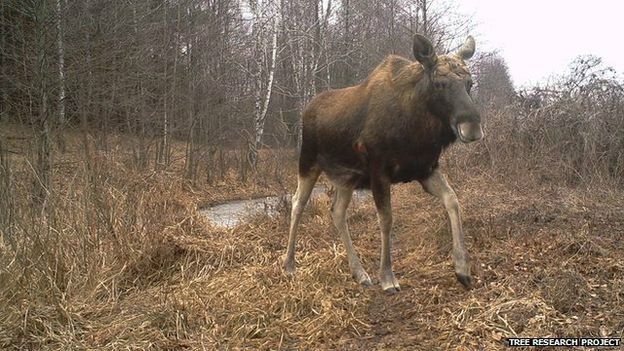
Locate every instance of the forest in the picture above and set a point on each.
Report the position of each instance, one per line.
(120, 121)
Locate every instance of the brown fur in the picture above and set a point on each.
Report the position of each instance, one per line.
(390, 128)
(390, 122)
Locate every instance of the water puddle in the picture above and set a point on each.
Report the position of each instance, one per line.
(230, 214)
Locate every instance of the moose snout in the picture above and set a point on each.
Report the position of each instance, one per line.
(469, 131)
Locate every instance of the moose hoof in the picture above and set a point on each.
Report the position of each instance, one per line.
(289, 269)
(465, 280)
(391, 286)
(392, 290)
(363, 279)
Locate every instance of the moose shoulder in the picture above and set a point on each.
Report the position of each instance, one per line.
(390, 128)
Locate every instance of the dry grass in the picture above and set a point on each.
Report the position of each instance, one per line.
(126, 262)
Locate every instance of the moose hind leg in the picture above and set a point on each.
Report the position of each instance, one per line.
(305, 184)
(437, 186)
(339, 215)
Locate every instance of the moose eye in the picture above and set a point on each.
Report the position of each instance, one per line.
(439, 85)
(468, 85)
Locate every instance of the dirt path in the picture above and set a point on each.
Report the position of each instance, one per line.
(547, 262)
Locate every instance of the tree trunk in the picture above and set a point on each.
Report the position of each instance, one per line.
(162, 155)
(85, 105)
(4, 113)
(191, 160)
(346, 64)
(425, 23)
(261, 113)
(43, 169)
(61, 72)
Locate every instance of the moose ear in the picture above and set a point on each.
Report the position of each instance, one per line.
(468, 49)
(424, 52)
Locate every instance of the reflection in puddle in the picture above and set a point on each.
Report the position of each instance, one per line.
(232, 213)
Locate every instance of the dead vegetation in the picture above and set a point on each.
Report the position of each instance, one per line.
(119, 258)
(127, 263)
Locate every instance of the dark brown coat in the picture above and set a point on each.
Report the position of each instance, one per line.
(389, 121)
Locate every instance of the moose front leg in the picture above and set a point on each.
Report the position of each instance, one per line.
(381, 194)
(437, 186)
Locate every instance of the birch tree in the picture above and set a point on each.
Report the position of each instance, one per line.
(263, 98)
(305, 40)
(220, 75)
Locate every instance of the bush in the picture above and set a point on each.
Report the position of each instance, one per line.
(571, 130)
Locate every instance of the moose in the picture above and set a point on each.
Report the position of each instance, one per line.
(390, 128)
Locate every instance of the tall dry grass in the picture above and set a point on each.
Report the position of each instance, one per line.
(97, 226)
(107, 231)
(569, 132)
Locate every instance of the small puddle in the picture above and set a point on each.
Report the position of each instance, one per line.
(230, 214)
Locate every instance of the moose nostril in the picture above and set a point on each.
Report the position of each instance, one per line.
(470, 131)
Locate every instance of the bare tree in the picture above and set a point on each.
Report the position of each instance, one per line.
(61, 61)
(3, 65)
(219, 75)
(493, 81)
(263, 98)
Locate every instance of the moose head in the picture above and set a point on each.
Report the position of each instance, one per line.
(449, 84)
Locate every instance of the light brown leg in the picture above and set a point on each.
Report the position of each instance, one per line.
(299, 200)
(339, 215)
(437, 186)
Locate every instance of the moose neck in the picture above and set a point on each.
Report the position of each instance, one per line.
(430, 125)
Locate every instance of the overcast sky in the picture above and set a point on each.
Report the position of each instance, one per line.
(540, 38)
